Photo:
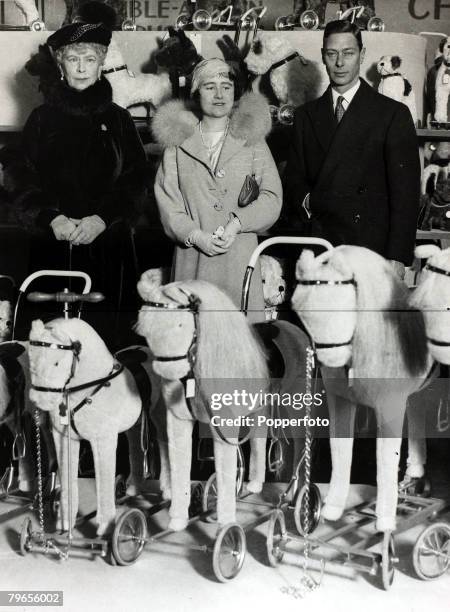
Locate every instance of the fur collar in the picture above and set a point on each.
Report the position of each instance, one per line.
(250, 120)
(91, 101)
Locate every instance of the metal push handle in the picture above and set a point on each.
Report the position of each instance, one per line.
(60, 273)
(263, 246)
(67, 297)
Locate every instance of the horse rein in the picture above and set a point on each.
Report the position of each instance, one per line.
(322, 282)
(98, 383)
(443, 272)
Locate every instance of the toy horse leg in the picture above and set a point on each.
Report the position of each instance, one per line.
(104, 453)
(417, 446)
(389, 432)
(62, 522)
(179, 433)
(257, 469)
(342, 420)
(158, 416)
(225, 456)
(135, 480)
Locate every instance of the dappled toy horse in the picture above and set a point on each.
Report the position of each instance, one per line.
(195, 331)
(373, 349)
(70, 362)
(432, 296)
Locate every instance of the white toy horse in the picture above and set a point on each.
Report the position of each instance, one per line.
(69, 360)
(176, 320)
(128, 88)
(357, 313)
(432, 296)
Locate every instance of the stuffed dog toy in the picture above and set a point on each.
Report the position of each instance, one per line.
(394, 85)
(442, 83)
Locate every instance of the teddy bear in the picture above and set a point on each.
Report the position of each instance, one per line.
(274, 285)
(394, 85)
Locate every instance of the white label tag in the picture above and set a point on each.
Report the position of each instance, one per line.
(351, 376)
(190, 387)
(64, 420)
(445, 79)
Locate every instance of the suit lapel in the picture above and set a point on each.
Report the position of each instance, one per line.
(323, 120)
(230, 147)
(346, 143)
(195, 147)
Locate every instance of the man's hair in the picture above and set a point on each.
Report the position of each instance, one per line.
(342, 26)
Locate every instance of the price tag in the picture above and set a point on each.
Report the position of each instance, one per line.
(190, 387)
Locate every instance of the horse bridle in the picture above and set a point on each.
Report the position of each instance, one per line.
(322, 282)
(443, 272)
(192, 306)
(98, 383)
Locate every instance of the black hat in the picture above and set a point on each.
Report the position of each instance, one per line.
(78, 33)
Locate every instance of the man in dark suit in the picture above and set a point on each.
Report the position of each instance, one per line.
(353, 165)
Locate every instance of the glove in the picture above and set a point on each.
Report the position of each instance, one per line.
(399, 268)
(87, 230)
(232, 229)
(62, 227)
(206, 243)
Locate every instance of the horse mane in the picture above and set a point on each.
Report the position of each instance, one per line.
(227, 346)
(390, 336)
(77, 329)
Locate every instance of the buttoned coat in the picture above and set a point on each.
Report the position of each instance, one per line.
(190, 195)
(363, 175)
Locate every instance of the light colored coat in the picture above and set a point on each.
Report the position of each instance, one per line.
(191, 196)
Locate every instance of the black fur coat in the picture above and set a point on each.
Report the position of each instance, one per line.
(80, 155)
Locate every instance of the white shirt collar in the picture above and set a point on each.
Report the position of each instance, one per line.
(348, 95)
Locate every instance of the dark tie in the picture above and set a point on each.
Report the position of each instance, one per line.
(340, 110)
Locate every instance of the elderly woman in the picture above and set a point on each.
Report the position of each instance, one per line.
(84, 162)
(210, 153)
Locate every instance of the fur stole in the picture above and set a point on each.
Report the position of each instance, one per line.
(175, 121)
(91, 101)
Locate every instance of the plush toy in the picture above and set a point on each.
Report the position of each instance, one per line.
(178, 57)
(438, 156)
(394, 85)
(293, 78)
(32, 17)
(438, 84)
(274, 285)
(128, 88)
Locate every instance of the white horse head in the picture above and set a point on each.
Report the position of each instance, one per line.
(432, 297)
(325, 300)
(61, 353)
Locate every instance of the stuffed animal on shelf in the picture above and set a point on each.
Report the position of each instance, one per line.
(178, 57)
(437, 154)
(32, 17)
(394, 85)
(293, 78)
(438, 84)
(130, 89)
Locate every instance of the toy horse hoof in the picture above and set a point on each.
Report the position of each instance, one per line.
(254, 486)
(26, 486)
(415, 470)
(386, 523)
(177, 524)
(166, 494)
(106, 528)
(331, 512)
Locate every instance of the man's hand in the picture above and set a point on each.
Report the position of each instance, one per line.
(62, 227)
(399, 268)
(87, 230)
(207, 243)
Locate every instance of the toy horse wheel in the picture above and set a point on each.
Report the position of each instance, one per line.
(229, 552)
(196, 504)
(26, 535)
(276, 536)
(128, 539)
(431, 552)
(388, 561)
(315, 508)
(209, 502)
(120, 487)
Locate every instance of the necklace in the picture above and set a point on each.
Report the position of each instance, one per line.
(216, 144)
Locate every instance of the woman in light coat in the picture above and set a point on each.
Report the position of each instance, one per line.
(202, 173)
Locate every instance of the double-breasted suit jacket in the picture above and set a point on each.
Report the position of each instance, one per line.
(363, 174)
